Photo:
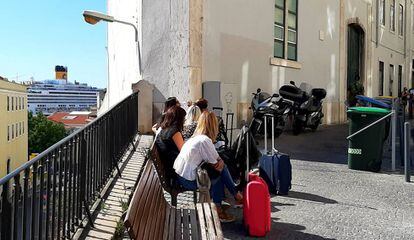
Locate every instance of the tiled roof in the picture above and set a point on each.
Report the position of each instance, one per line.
(70, 120)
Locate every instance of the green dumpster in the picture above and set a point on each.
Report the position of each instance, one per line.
(365, 148)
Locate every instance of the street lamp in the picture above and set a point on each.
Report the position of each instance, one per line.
(93, 17)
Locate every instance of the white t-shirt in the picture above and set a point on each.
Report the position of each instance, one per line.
(196, 150)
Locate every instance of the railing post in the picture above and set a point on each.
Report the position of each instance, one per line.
(6, 209)
(393, 136)
(83, 172)
(407, 164)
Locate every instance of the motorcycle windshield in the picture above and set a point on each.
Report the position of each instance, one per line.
(306, 87)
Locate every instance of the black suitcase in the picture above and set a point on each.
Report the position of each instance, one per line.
(285, 174)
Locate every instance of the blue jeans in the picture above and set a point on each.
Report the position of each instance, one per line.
(217, 185)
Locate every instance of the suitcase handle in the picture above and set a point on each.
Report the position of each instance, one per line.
(273, 149)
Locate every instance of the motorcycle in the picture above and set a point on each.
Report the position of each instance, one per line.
(307, 108)
(264, 103)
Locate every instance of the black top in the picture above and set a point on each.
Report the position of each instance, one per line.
(168, 150)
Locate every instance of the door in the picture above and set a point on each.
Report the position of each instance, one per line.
(355, 63)
(400, 69)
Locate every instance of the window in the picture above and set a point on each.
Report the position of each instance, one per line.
(392, 16)
(20, 128)
(12, 127)
(12, 103)
(8, 103)
(8, 132)
(391, 80)
(381, 79)
(401, 20)
(400, 69)
(382, 12)
(285, 29)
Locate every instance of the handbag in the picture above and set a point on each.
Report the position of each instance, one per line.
(203, 184)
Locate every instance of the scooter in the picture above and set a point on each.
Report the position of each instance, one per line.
(264, 103)
(307, 108)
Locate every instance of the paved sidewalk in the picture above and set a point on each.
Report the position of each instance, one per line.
(113, 205)
(329, 201)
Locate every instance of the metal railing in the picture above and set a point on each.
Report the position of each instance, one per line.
(49, 196)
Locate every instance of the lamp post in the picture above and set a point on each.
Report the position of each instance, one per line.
(93, 17)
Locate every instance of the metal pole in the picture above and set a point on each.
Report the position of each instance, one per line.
(407, 151)
(393, 131)
(265, 134)
(247, 155)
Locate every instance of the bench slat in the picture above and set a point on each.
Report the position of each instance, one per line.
(160, 220)
(166, 223)
(186, 227)
(133, 206)
(139, 227)
(209, 219)
(194, 226)
(201, 220)
(171, 226)
(217, 224)
(150, 214)
(178, 224)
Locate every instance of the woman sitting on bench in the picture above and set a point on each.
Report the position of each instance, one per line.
(170, 140)
(200, 148)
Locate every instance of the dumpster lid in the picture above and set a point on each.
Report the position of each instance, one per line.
(371, 110)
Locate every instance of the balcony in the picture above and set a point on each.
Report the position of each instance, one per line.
(53, 195)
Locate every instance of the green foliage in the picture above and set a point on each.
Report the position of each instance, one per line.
(43, 133)
(119, 230)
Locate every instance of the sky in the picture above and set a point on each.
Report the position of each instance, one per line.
(37, 35)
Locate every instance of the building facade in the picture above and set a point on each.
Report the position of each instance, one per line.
(245, 45)
(13, 122)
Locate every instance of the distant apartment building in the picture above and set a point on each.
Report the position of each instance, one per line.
(59, 95)
(244, 45)
(13, 126)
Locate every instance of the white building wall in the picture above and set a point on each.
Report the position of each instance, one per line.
(122, 51)
(238, 47)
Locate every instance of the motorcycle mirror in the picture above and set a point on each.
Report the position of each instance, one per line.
(258, 90)
(292, 82)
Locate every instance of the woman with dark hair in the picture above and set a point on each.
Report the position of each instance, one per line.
(170, 140)
(170, 102)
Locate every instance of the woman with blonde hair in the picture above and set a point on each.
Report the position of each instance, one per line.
(200, 149)
(190, 123)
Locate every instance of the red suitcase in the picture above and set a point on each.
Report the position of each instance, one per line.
(256, 206)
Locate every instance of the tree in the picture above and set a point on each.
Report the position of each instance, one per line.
(43, 133)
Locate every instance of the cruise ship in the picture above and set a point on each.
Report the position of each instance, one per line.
(59, 95)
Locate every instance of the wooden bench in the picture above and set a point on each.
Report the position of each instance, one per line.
(150, 216)
(160, 167)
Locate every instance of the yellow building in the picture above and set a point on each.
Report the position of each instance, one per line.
(13, 126)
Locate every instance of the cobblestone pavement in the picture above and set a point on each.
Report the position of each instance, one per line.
(329, 201)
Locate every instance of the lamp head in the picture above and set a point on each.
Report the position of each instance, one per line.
(93, 17)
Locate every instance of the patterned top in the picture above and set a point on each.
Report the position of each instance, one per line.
(189, 130)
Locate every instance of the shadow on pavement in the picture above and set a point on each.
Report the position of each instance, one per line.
(327, 144)
(309, 197)
(279, 230)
